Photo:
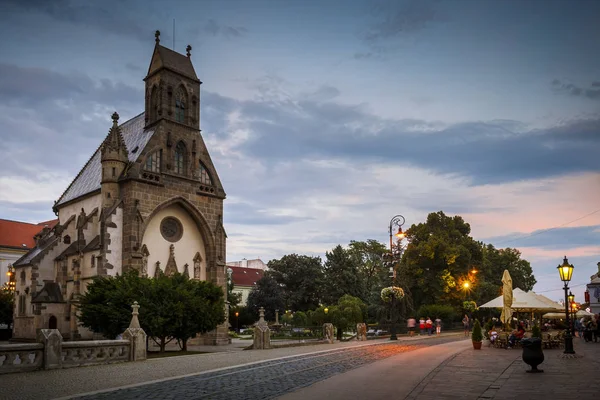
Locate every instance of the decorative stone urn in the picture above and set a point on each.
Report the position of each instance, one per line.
(532, 353)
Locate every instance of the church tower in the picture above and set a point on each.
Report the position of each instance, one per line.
(114, 159)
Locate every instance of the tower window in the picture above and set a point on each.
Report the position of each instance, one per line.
(114, 171)
(153, 162)
(180, 158)
(204, 176)
(180, 106)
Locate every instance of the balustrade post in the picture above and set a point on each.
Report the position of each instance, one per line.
(52, 341)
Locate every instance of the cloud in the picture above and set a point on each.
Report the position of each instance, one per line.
(395, 18)
(281, 127)
(107, 16)
(559, 238)
(214, 28)
(592, 93)
(248, 214)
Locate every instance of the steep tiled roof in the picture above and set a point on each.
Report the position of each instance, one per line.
(245, 276)
(176, 62)
(89, 177)
(36, 252)
(50, 293)
(20, 235)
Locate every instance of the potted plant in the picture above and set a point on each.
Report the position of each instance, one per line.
(476, 335)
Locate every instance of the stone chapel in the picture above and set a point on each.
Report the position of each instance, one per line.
(149, 199)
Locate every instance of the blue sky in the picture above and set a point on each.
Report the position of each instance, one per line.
(326, 118)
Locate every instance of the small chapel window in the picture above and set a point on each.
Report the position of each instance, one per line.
(153, 162)
(180, 106)
(204, 176)
(180, 158)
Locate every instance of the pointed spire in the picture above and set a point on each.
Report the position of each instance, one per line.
(114, 142)
(157, 37)
(171, 267)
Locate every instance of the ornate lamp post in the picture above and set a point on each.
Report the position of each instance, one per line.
(566, 272)
(237, 325)
(393, 257)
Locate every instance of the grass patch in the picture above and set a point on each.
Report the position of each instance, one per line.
(172, 353)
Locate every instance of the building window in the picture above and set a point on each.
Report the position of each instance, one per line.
(154, 104)
(180, 105)
(22, 304)
(93, 261)
(204, 176)
(153, 162)
(22, 277)
(171, 229)
(114, 172)
(67, 239)
(180, 158)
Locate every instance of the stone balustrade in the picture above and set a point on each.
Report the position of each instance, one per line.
(21, 357)
(76, 354)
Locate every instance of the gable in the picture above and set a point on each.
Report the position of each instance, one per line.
(90, 176)
(169, 59)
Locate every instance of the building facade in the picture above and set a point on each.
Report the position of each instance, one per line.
(593, 290)
(244, 280)
(148, 199)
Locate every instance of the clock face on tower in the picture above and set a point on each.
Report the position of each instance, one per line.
(171, 229)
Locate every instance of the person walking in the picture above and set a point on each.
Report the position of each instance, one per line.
(412, 323)
(421, 326)
(438, 326)
(465, 322)
(429, 326)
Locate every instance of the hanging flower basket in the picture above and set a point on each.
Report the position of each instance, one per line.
(386, 293)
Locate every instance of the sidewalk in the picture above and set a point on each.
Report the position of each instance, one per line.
(40, 385)
(500, 374)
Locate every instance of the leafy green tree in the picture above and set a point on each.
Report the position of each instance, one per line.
(301, 280)
(170, 307)
(233, 299)
(444, 312)
(347, 313)
(341, 275)
(372, 273)
(266, 293)
(439, 255)
(6, 307)
(245, 317)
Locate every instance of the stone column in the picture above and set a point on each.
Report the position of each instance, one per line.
(136, 336)
(361, 332)
(276, 317)
(328, 333)
(52, 341)
(262, 333)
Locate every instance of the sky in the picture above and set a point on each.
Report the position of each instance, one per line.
(327, 118)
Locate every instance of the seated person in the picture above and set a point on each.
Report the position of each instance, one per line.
(493, 335)
(516, 336)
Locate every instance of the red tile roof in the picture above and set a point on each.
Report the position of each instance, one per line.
(245, 276)
(20, 234)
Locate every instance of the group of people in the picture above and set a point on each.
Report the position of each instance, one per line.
(425, 325)
(588, 328)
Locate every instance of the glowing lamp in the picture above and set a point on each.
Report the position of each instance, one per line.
(565, 270)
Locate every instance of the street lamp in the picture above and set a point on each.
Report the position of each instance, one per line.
(394, 256)
(237, 326)
(566, 272)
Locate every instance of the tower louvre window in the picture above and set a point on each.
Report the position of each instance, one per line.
(180, 158)
(153, 162)
(204, 176)
(180, 105)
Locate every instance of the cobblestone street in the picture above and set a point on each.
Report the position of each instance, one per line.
(268, 379)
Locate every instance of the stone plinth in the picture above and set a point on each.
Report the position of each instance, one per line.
(136, 336)
(52, 341)
(328, 333)
(361, 332)
(262, 333)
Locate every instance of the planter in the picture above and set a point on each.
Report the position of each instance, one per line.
(477, 345)
(532, 353)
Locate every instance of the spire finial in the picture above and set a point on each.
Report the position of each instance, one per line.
(188, 49)
(115, 118)
(157, 36)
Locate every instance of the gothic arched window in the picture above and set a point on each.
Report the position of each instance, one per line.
(204, 176)
(154, 103)
(180, 100)
(180, 158)
(153, 162)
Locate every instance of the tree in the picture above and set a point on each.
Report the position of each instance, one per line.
(233, 299)
(301, 280)
(372, 273)
(170, 307)
(347, 313)
(340, 276)
(6, 307)
(266, 293)
(439, 255)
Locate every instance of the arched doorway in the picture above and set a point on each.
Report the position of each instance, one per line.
(52, 322)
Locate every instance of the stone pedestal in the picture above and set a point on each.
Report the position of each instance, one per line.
(361, 332)
(328, 333)
(52, 341)
(136, 336)
(262, 333)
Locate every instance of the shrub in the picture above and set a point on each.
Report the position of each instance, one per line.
(476, 335)
(536, 331)
(444, 312)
